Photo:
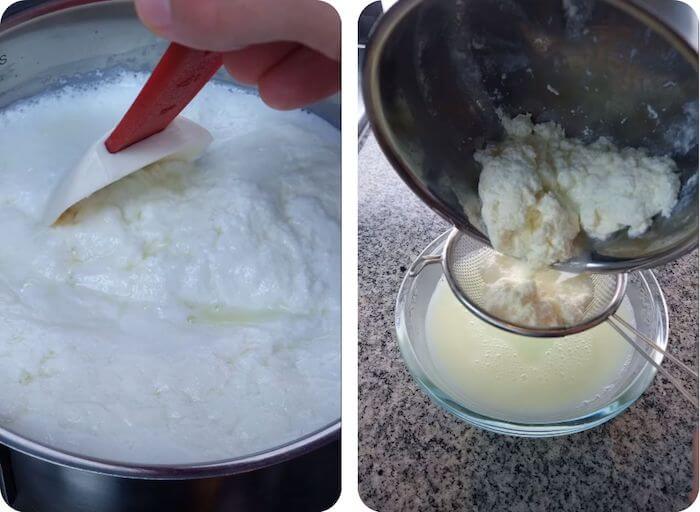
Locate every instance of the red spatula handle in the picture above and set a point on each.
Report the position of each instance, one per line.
(176, 80)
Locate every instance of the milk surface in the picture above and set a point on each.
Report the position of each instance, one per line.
(188, 313)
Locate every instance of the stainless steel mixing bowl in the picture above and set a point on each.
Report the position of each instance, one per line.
(437, 70)
(40, 48)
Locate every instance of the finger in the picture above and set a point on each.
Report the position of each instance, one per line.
(303, 77)
(224, 25)
(249, 64)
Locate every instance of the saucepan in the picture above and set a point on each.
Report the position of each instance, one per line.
(41, 45)
(436, 73)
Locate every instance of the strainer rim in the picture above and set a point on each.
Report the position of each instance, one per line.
(454, 236)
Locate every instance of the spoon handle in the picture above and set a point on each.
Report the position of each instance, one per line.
(175, 81)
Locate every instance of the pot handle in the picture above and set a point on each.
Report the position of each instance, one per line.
(7, 480)
(19, 7)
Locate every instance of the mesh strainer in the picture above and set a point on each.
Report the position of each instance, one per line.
(463, 260)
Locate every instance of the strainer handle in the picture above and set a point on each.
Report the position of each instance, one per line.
(422, 261)
(618, 324)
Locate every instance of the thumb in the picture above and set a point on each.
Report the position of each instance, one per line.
(223, 25)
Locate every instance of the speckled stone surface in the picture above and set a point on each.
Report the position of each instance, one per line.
(414, 456)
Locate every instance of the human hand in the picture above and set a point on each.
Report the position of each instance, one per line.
(289, 49)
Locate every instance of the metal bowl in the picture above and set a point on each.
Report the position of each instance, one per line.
(650, 316)
(437, 70)
(39, 48)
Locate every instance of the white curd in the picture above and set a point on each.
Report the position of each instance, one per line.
(539, 189)
(188, 313)
(516, 292)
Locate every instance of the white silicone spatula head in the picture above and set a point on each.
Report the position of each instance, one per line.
(150, 130)
(181, 140)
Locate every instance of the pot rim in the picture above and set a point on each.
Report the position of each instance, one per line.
(276, 455)
(257, 460)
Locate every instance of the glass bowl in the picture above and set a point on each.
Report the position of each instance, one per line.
(650, 316)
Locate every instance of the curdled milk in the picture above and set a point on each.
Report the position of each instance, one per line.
(516, 292)
(539, 189)
(516, 378)
(188, 313)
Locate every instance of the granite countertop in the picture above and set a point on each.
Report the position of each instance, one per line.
(415, 456)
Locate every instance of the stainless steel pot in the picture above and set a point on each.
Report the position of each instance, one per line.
(436, 71)
(39, 47)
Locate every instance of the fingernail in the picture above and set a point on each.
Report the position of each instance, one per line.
(156, 14)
